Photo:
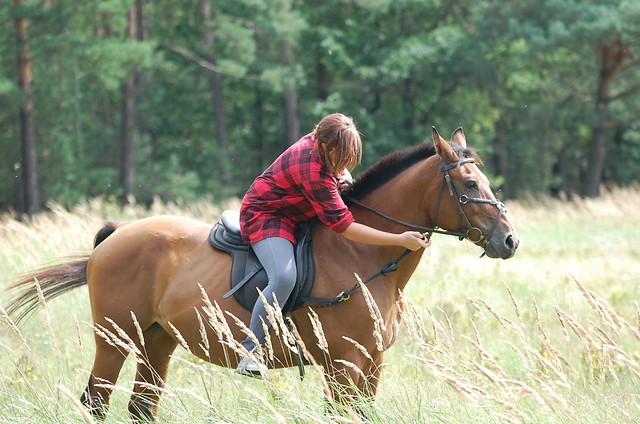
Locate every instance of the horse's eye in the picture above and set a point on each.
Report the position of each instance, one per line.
(471, 185)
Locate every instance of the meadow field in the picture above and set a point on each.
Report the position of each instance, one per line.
(549, 336)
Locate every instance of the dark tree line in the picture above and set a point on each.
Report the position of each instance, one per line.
(132, 99)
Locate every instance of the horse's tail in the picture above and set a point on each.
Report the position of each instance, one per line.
(106, 231)
(46, 283)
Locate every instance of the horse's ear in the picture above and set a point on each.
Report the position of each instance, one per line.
(443, 148)
(458, 137)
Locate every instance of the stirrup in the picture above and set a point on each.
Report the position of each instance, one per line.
(252, 366)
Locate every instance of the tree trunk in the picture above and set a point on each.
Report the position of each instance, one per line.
(501, 156)
(260, 152)
(139, 80)
(217, 99)
(611, 59)
(127, 152)
(290, 97)
(322, 80)
(27, 121)
(291, 115)
(565, 169)
(409, 97)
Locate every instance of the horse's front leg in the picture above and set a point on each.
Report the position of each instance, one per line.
(369, 384)
(353, 384)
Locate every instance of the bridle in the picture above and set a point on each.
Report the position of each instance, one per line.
(474, 234)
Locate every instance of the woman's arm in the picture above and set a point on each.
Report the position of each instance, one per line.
(411, 240)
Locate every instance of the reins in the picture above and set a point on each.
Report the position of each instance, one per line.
(461, 200)
(405, 223)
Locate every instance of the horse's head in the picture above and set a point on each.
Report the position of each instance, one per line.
(466, 202)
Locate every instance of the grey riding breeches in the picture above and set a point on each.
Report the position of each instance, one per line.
(276, 254)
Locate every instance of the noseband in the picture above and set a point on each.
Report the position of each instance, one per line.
(474, 234)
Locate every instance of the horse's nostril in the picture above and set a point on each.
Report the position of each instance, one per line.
(509, 242)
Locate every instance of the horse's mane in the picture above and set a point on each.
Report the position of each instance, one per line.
(394, 164)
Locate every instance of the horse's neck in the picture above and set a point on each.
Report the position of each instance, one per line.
(402, 198)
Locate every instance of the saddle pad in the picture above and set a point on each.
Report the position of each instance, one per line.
(248, 275)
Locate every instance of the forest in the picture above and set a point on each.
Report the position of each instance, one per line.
(181, 100)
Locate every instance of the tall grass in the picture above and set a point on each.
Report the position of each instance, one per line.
(550, 336)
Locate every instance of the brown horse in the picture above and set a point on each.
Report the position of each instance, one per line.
(156, 282)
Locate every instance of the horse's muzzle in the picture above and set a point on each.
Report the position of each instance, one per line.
(502, 244)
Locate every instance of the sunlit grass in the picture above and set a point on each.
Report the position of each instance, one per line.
(467, 352)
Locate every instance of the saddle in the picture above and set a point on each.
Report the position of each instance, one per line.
(247, 274)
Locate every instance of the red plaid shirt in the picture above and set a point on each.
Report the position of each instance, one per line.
(295, 188)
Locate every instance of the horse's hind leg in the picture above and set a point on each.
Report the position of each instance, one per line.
(151, 373)
(106, 367)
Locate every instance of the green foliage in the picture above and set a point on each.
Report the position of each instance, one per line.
(530, 68)
(624, 154)
(112, 60)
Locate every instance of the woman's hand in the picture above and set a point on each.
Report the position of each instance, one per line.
(414, 240)
(344, 185)
(411, 240)
(345, 180)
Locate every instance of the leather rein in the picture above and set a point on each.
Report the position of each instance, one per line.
(474, 234)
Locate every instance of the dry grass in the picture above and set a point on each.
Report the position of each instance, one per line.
(551, 336)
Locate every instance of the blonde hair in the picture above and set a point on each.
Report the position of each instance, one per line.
(339, 143)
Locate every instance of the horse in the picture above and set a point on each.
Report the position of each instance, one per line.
(155, 283)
